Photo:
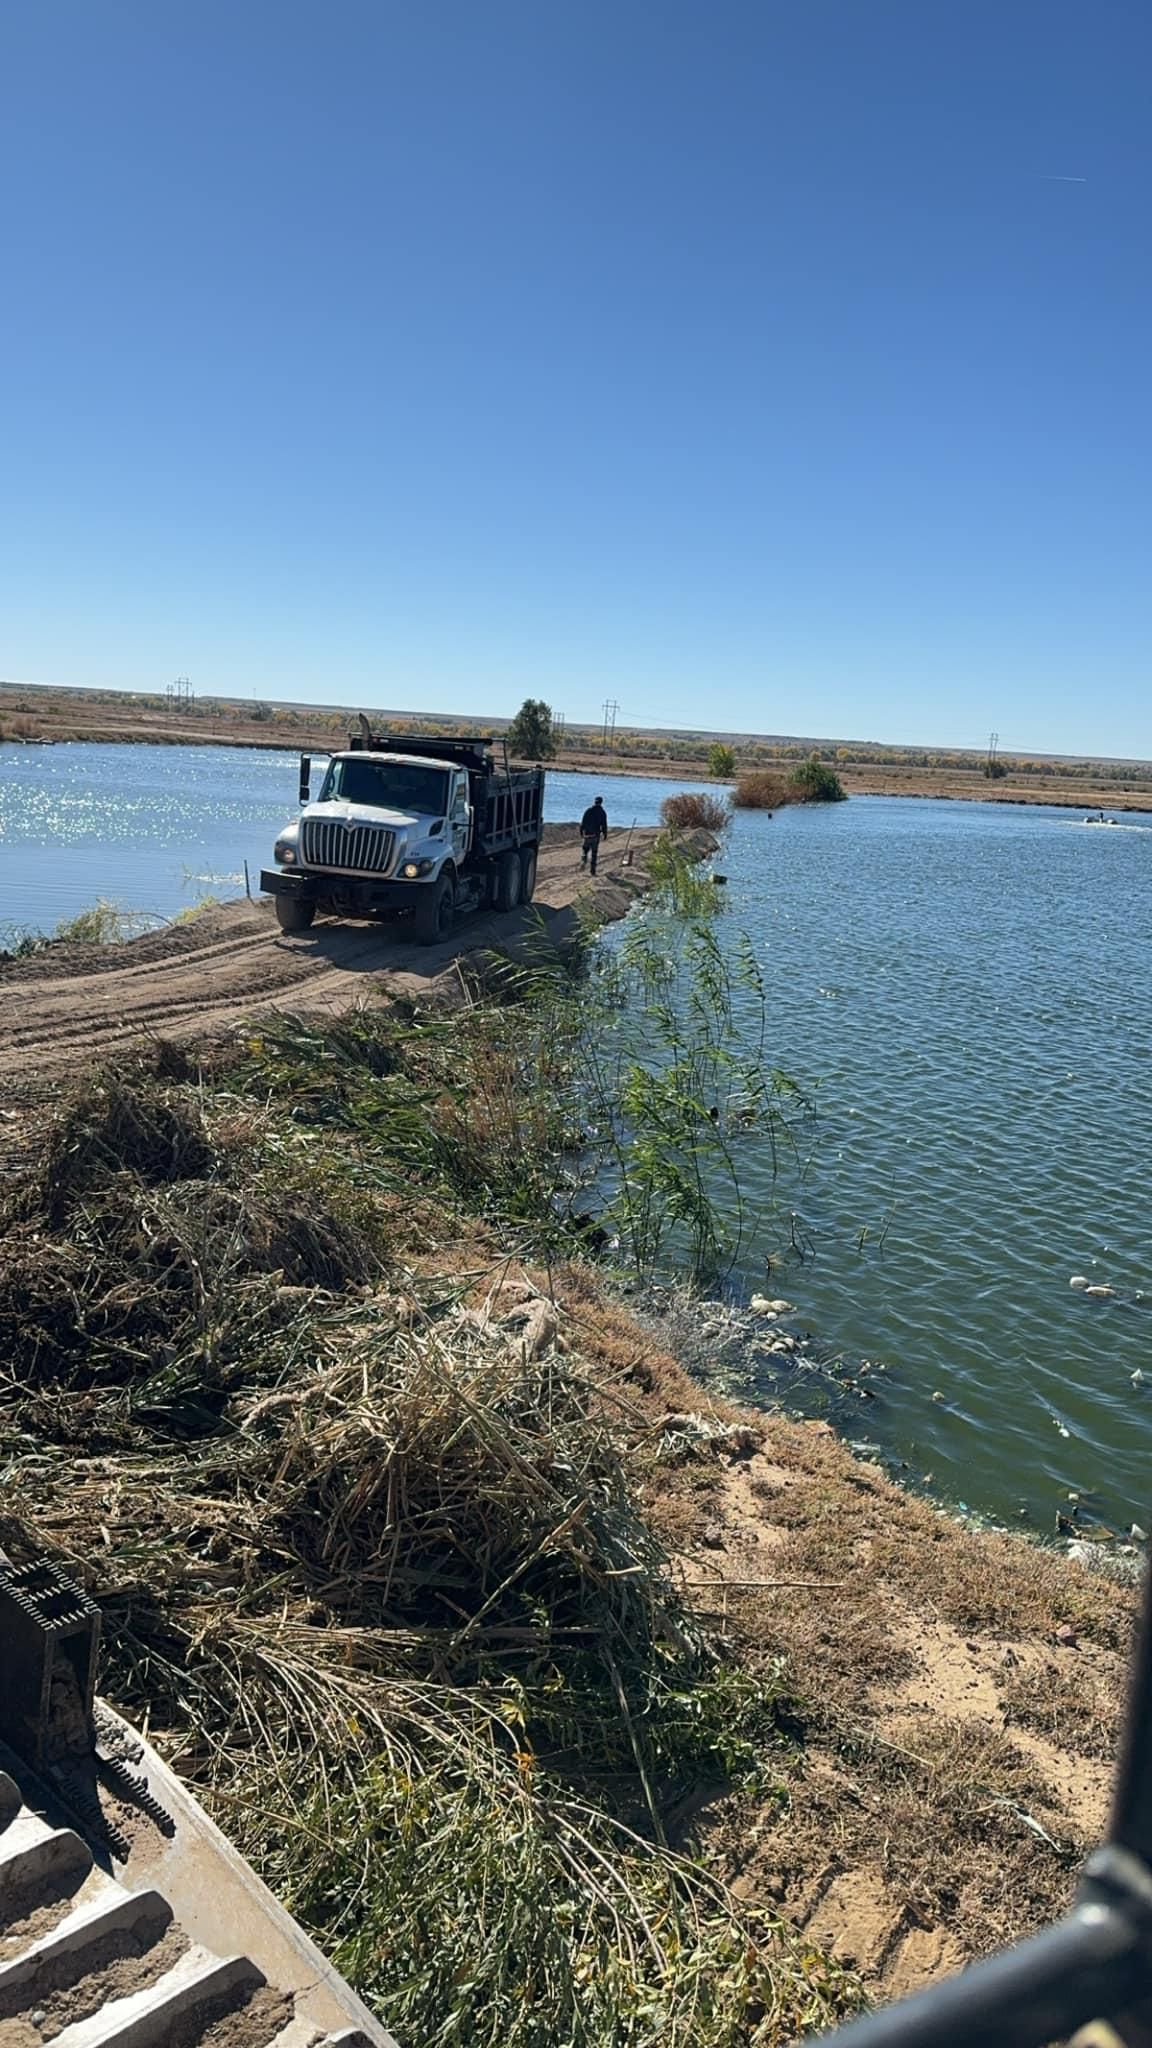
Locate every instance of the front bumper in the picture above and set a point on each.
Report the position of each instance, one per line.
(361, 896)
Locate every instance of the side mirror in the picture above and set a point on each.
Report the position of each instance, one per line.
(305, 777)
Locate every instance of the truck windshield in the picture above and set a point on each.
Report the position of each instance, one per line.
(390, 785)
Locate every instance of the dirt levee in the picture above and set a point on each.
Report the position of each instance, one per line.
(70, 1004)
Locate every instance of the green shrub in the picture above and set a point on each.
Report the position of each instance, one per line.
(813, 782)
(721, 762)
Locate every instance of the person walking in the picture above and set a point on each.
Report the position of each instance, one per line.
(593, 828)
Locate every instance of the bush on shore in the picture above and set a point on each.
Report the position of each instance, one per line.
(689, 810)
(813, 782)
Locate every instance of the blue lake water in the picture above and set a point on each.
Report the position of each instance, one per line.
(969, 989)
(966, 988)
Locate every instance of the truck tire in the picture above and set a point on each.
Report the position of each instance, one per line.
(434, 912)
(508, 882)
(527, 874)
(294, 913)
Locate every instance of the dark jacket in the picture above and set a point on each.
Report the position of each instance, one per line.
(594, 823)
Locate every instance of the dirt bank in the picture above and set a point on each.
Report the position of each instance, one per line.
(71, 1004)
(284, 1384)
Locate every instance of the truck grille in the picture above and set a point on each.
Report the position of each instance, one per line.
(359, 849)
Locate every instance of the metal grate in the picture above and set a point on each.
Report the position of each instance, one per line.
(49, 1642)
(353, 849)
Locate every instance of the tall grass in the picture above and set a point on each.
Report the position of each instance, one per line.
(677, 882)
(102, 924)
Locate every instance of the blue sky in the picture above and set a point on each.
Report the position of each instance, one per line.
(764, 366)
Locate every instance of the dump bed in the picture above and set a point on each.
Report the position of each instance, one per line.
(507, 803)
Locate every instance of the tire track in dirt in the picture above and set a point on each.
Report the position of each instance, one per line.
(71, 1004)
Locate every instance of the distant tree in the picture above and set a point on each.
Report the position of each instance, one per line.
(721, 762)
(530, 733)
(262, 714)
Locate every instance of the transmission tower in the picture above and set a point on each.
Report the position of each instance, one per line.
(611, 707)
(180, 695)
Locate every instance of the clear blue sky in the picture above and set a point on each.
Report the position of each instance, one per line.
(760, 365)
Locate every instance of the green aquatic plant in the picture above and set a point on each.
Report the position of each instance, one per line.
(678, 884)
(104, 924)
(682, 1082)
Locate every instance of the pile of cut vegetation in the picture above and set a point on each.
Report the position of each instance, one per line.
(367, 1537)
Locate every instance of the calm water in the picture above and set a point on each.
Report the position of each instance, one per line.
(966, 987)
(970, 986)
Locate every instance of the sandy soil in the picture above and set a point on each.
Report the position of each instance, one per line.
(71, 1004)
(956, 1694)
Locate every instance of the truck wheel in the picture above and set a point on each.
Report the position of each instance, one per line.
(434, 912)
(294, 913)
(508, 882)
(527, 874)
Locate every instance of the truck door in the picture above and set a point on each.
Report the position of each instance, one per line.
(460, 816)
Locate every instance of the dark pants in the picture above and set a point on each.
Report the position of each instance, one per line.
(591, 849)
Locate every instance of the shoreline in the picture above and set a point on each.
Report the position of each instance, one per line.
(267, 1330)
(885, 1671)
(39, 716)
(1071, 795)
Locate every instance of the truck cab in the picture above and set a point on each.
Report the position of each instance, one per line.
(409, 828)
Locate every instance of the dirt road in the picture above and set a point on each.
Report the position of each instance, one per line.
(62, 1008)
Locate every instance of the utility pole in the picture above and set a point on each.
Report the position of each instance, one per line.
(611, 707)
(180, 695)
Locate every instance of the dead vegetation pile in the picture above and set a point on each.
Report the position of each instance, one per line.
(373, 1566)
(142, 1264)
(424, 1565)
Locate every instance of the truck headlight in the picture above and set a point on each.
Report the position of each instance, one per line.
(285, 853)
(413, 869)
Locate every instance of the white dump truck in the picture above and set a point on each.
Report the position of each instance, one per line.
(410, 828)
